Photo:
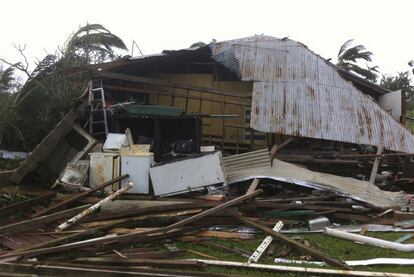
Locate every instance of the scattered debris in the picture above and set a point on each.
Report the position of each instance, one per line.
(162, 176)
(264, 245)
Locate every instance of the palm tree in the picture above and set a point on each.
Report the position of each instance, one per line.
(51, 87)
(6, 79)
(349, 56)
(94, 43)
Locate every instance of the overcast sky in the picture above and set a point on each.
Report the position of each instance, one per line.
(384, 27)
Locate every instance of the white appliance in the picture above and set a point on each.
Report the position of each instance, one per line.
(104, 167)
(189, 174)
(137, 165)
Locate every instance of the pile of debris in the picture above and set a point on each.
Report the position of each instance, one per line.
(177, 155)
(106, 213)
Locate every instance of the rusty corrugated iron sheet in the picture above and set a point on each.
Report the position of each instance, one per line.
(298, 93)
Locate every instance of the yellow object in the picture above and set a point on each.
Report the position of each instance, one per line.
(136, 150)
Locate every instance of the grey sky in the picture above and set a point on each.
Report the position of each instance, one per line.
(384, 27)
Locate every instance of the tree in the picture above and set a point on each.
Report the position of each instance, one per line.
(6, 79)
(348, 58)
(10, 135)
(9, 83)
(198, 44)
(400, 81)
(93, 43)
(53, 85)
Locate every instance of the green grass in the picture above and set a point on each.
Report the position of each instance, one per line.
(410, 124)
(9, 164)
(11, 197)
(333, 247)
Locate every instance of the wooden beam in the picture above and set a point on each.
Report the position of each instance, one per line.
(150, 210)
(377, 161)
(168, 93)
(33, 223)
(79, 196)
(216, 209)
(138, 236)
(276, 148)
(66, 239)
(71, 269)
(137, 262)
(118, 240)
(164, 83)
(27, 203)
(101, 270)
(93, 208)
(253, 185)
(303, 248)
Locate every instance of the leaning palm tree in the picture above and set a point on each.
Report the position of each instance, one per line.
(94, 43)
(349, 56)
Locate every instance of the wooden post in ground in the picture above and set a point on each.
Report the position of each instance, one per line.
(376, 164)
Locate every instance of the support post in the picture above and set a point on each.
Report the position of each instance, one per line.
(376, 164)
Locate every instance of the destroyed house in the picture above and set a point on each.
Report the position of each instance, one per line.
(244, 95)
(145, 174)
(250, 92)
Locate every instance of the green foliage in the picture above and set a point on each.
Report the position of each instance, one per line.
(10, 133)
(46, 97)
(410, 122)
(348, 58)
(93, 43)
(27, 114)
(401, 80)
(6, 80)
(9, 198)
(9, 164)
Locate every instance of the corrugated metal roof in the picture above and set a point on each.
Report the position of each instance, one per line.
(345, 186)
(296, 92)
(254, 159)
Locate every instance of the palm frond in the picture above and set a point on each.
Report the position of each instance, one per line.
(106, 39)
(91, 28)
(373, 68)
(354, 53)
(95, 34)
(369, 75)
(345, 46)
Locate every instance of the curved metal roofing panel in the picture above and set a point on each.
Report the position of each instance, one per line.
(296, 92)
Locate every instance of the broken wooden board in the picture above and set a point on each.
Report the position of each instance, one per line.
(301, 247)
(52, 155)
(4, 211)
(78, 196)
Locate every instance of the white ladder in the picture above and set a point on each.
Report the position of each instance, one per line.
(97, 103)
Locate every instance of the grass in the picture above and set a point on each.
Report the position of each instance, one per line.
(9, 164)
(9, 198)
(410, 124)
(330, 246)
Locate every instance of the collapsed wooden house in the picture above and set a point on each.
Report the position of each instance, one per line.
(273, 86)
(247, 94)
